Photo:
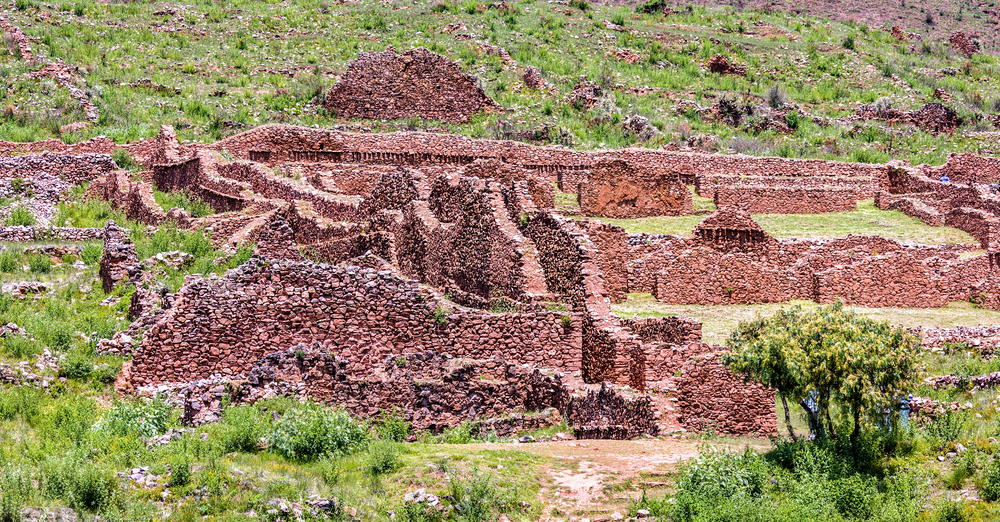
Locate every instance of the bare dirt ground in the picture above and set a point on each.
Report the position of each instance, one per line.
(591, 480)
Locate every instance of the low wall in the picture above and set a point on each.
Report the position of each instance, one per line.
(71, 168)
(266, 184)
(673, 330)
(618, 189)
(221, 326)
(705, 185)
(788, 200)
(26, 234)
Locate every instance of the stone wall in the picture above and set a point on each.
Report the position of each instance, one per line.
(705, 185)
(969, 168)
(710, 398)
(72, 168)
(133, 197)
(674, 330)
(607, 414)
(787, 200)
(35, 233)
(391, 86)
(618, 189)
(220, 326)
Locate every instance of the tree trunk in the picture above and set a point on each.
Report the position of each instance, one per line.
(857, 429)
(815, 424)
(829, 422)
(788, 418)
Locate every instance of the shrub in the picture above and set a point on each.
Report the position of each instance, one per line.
(19, 347)
(144, 419)
(76, 366)
(383, 458)
(776, 97)
(20, 217)
(849, 42)
(391, 426)
(92, 487)
(8, 260)
(91, 253)
(311, 431)
(106, 373)
(479, 499)
(949, 425)
(989, 482)
(461, 434)
(180, 472)
(73, 418)
(15, 488)
(241, 428)
(196, 206)
(20, 401)
(40, 264)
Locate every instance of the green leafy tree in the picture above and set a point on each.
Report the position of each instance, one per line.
(831, 355)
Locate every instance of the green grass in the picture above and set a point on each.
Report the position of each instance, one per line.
(255, 63)
(719, 321)
(866, 220)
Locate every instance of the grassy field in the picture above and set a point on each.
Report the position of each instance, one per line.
(719, 321)
(866, 220)
(224, 67)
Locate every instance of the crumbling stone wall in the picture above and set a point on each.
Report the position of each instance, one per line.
(969, 168)
(674, 330)
(24, 234)
(618, 189)
(119, 263)
(709, 397)
(705, 185)
(391, 86)
(611, 243)
(220, 326)
(787, 200)
(72, 168)
(606, 414)
(134, 198)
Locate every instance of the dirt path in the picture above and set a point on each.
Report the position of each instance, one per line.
(593, 479)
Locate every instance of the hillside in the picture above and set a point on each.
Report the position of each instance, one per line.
(211, 70)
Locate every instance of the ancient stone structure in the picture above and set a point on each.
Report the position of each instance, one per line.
(118, 262)
(616, 189)
(418, 82)
(963, 44)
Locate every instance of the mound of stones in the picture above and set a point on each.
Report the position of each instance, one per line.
(720, 65)
(392, 86)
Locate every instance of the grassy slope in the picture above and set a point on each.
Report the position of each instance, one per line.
(259, 62)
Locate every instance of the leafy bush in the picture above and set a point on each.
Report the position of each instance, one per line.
(144, 419)
(391, 426)
(461, 434)
(20, 401)
(311, 431)
(383, 458)
(91, 253)
(8, 260)
(241, 428)
(40, 264)
(652, 6)
(92, 487)
(180, 472)
(776, 97)
(989, 482)
(949, 425)
(20, 217)
(15, 488)
(76, 366)
(19, 347)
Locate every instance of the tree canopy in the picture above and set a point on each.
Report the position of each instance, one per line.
(829, 355)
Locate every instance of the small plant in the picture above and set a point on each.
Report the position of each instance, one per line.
(8, 260)
(582, 5)
(567, 321)
(180, 472)
(989, 482)
(776, 97)
(91, 253)
(20, 217)
(76, 366)
(144, 419)
(391, 426)
(241, 429)
(123, 158)
(40, 264)
(440, 316)
(849, 42)
(383, 458)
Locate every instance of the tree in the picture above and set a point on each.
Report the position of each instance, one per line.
(827, 355)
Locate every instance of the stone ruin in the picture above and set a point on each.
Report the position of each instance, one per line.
(932, 117)
(720, 65)
(392, 86)
(433, 274)
(965, 44)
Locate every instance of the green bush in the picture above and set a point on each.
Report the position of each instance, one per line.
(15, 489)
(20, 401)
(989, 482)
(311, 431)
(123, 158)
(76, 366)
(20, 217)
(40, 264)
(144, 419)
(383, 458)
(92, 487)
(461, 434)
(241, 428)
(20, 347)
(106, 373)
(91, 253)
(391, 426)
(9, 260)
(180, 472)
(183, 200)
